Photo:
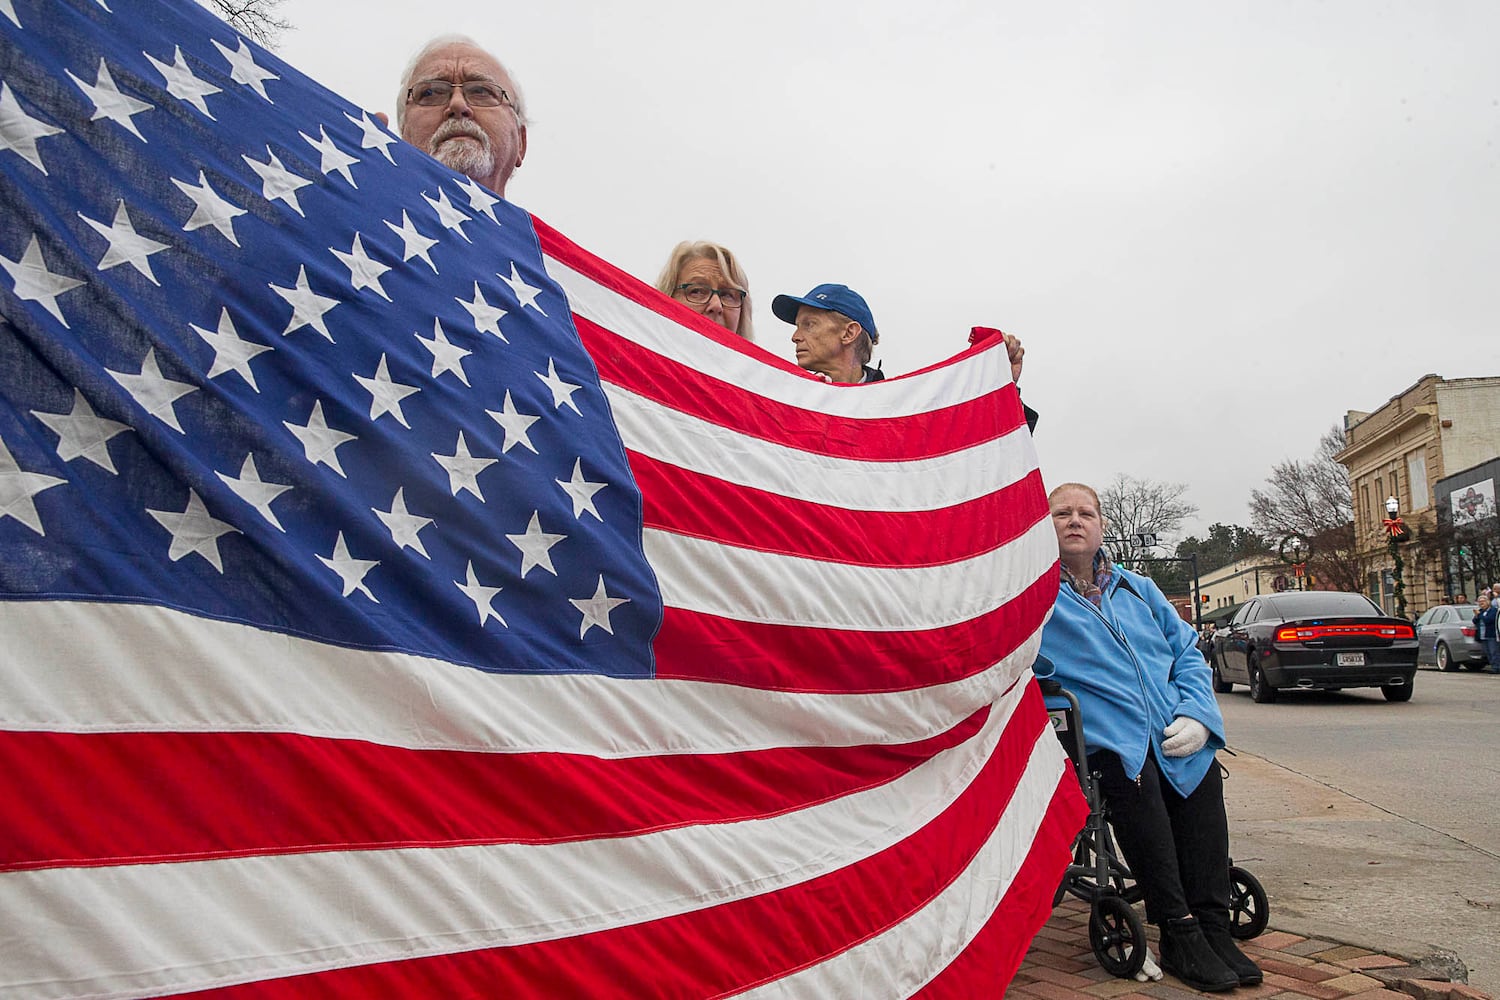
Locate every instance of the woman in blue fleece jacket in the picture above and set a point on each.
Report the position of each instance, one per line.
(1152, 728)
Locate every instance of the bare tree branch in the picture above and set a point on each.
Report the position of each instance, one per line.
(1134, 506)
(256, 19)
(1314, 499)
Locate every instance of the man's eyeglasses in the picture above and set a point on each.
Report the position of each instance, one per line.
(700, 294)
(478, 93)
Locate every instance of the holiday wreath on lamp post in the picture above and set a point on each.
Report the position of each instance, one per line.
(1398, 532)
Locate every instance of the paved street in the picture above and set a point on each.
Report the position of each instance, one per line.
(1375, 822)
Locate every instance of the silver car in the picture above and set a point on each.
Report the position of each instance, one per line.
(1445, 638)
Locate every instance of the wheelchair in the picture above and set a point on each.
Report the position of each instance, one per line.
(1099, 876)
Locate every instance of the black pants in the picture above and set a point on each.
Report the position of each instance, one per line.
(1177, 848)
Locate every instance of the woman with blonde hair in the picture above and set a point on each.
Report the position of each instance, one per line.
(708, 279)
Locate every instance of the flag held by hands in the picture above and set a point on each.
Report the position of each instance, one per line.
(399, 600)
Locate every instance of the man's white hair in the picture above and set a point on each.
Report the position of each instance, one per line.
(432, 46)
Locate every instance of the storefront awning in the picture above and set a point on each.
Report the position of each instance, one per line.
(1220, 615)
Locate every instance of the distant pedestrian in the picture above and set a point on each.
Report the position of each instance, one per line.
(1484, 631)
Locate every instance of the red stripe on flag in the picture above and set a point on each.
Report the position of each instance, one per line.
(941, 431)
(722, 949)
(690, 504)
(695, 646)
(114, 798)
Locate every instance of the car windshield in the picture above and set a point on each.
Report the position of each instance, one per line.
(1466, 611)
(1322, 602)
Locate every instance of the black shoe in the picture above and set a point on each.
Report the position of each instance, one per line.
(1186, 954)
(1223, 944)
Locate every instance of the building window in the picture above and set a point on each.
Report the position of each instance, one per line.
(1364, 491)
(1380, 495)
(1416, 479)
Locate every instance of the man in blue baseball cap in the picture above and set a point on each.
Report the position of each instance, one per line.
(835, 333)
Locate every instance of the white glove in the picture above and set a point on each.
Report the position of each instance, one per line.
(1184, 737)
(1150, 971)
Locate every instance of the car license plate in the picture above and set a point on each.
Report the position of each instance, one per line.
(1351, 659)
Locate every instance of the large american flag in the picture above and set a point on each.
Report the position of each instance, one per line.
(400, 601)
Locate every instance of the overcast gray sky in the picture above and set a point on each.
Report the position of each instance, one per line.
(1215, 226)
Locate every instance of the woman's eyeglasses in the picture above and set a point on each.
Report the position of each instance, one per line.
(700, 294)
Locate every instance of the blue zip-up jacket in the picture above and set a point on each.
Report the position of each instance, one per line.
(1134, 666)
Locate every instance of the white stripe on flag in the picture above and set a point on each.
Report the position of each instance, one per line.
(767, 587)
(690, 443)
(94, 667)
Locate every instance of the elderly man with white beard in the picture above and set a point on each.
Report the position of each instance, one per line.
(458, 103)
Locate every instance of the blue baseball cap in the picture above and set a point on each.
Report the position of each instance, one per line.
(837, 298)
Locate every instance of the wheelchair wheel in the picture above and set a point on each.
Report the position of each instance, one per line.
(1249, 910)
(1117, 936)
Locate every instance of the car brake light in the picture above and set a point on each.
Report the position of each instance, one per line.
(1307, 633)
(1467, 630)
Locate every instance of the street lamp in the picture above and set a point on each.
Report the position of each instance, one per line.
(1295, 550)
(1397, 532)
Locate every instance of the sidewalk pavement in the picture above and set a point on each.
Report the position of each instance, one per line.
(1061, 966)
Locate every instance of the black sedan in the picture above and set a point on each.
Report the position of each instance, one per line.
(1315, 640)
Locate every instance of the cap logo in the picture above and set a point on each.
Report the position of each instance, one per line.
(820, 297)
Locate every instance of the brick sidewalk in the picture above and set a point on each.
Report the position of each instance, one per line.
(1061, 966)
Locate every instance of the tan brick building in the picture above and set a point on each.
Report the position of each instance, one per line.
(1433, 427)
